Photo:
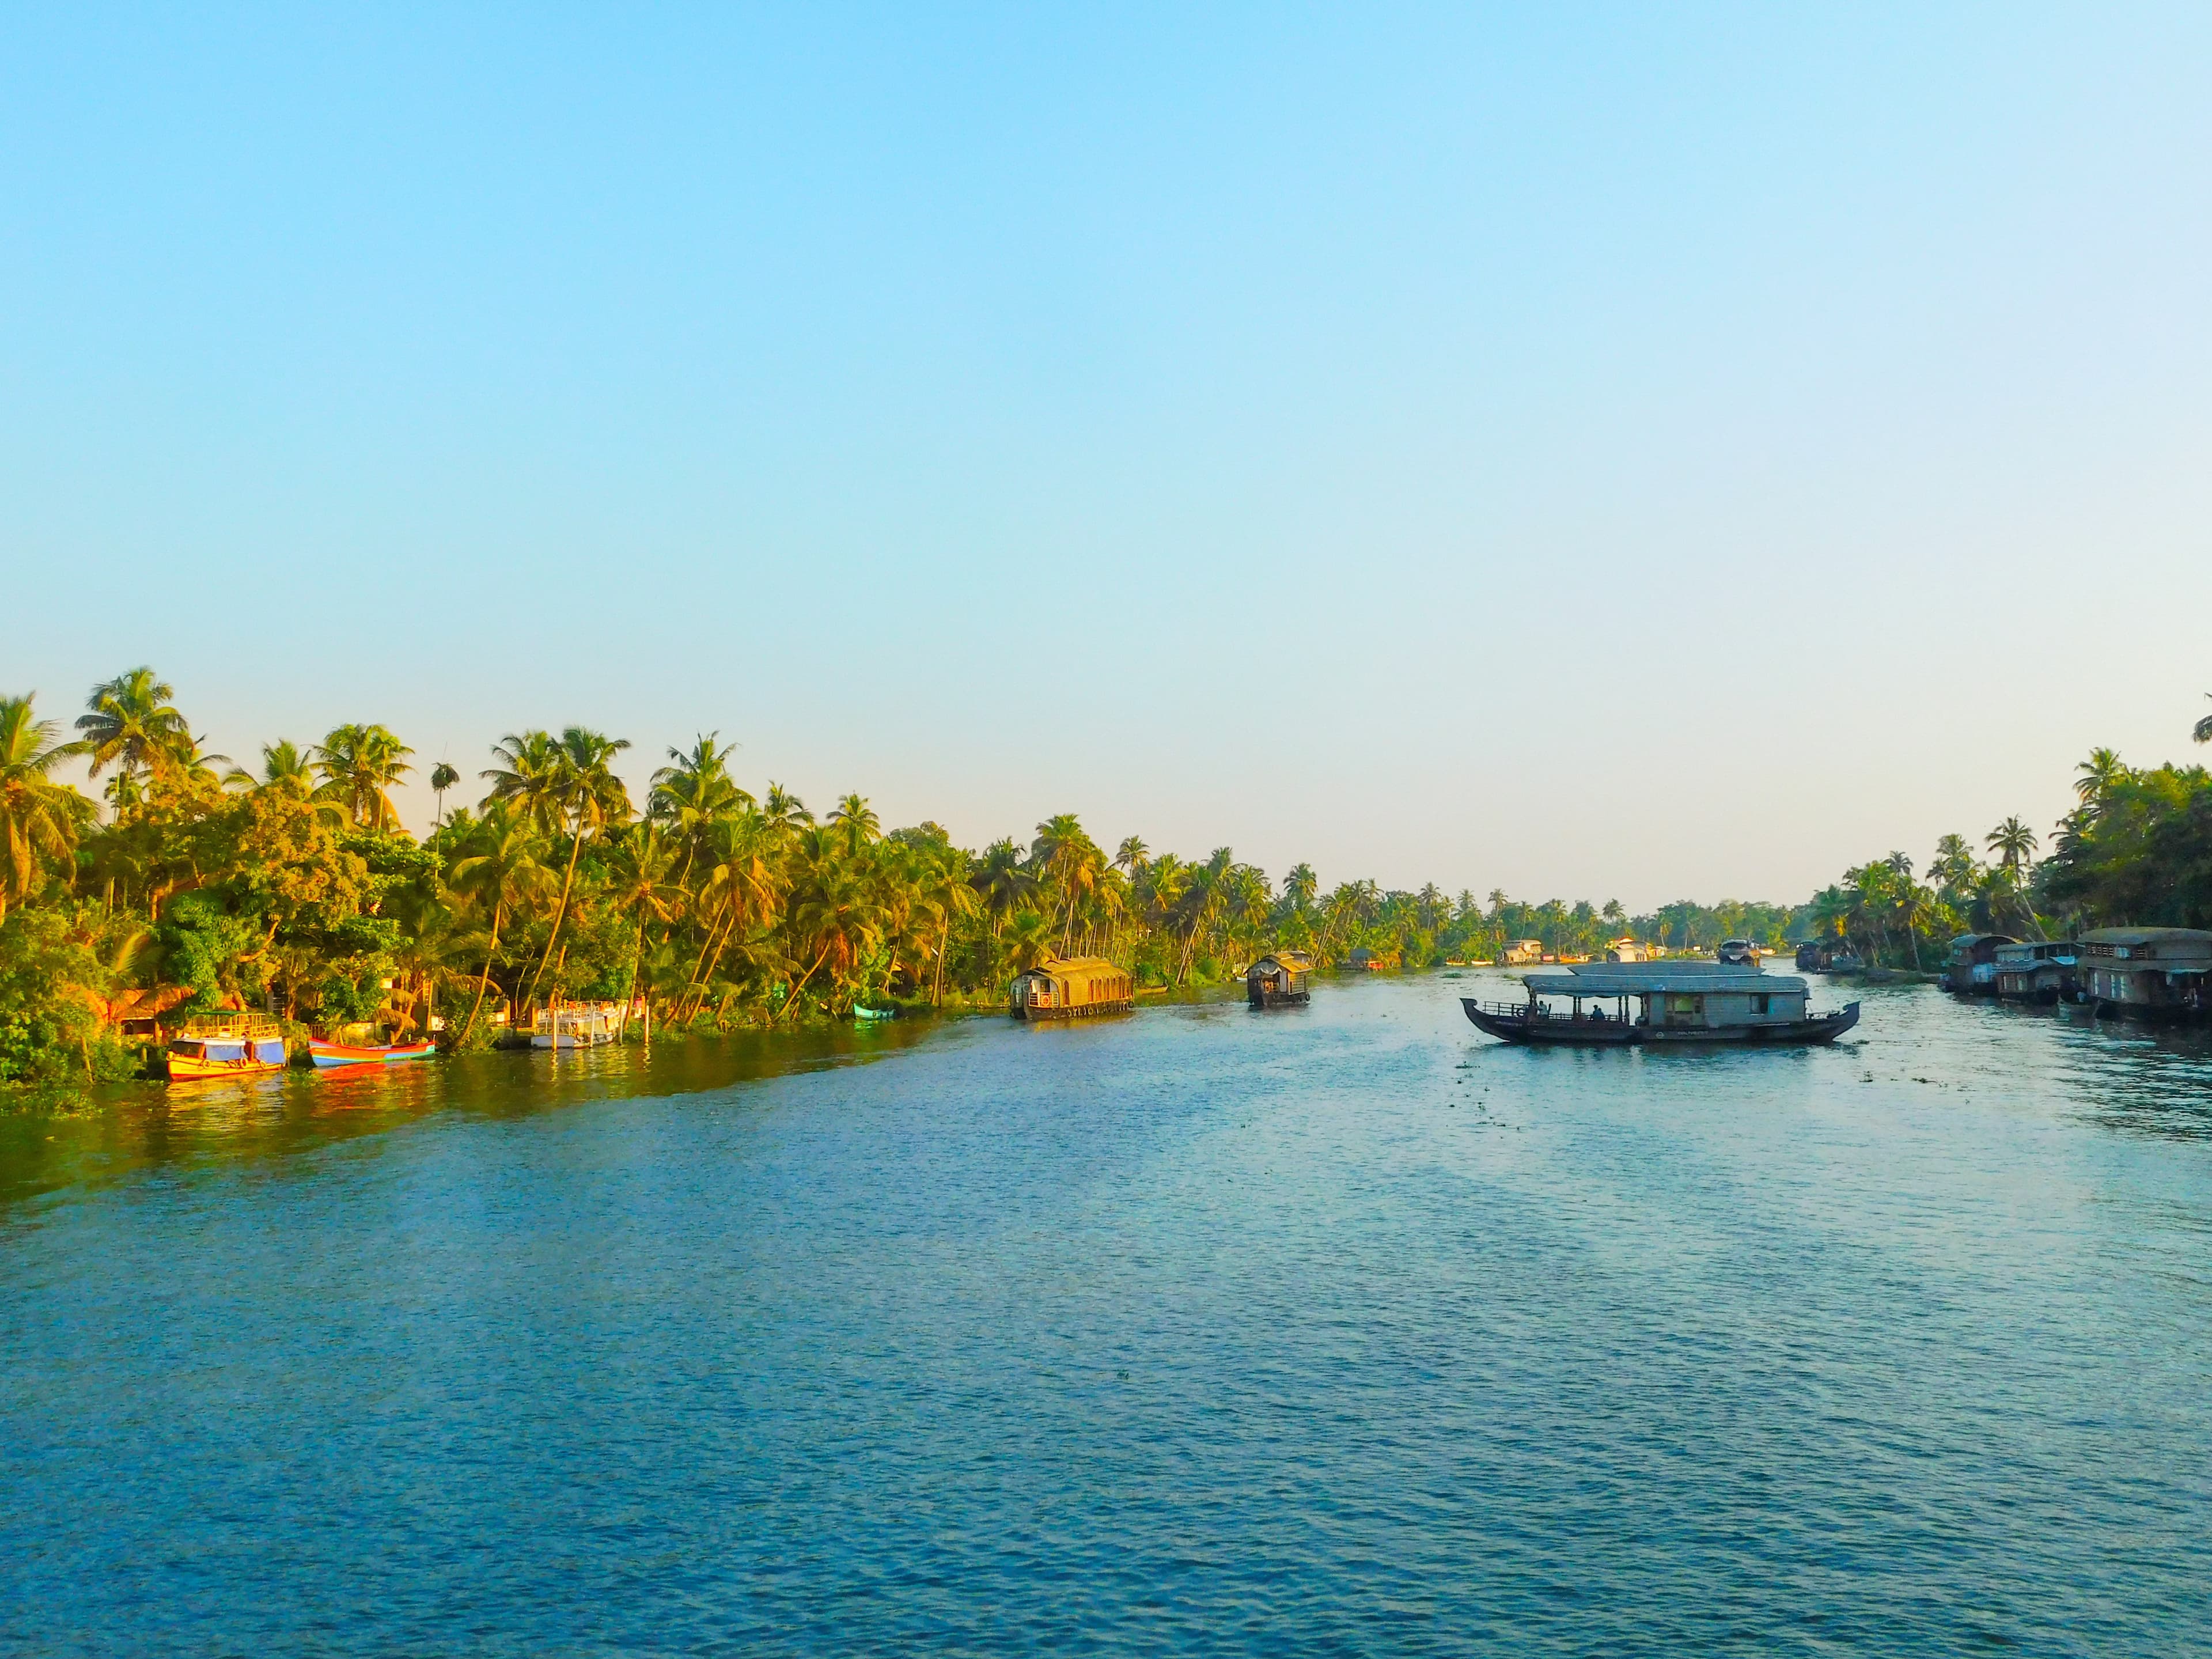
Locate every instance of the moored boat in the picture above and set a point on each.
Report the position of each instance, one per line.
(225, 1045)
(579, 1025)
(1665, 1004)
(330, 1056)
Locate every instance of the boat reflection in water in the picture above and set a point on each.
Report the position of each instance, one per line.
(1660, 1002)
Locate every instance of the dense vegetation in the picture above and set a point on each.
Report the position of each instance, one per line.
(195, 883)
(2136, 850)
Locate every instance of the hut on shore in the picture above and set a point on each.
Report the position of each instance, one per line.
(1523, 951)
(1282, 981)
(2153, 973)
(1074, 988)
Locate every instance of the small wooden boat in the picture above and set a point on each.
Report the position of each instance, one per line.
(225, 1045)
(861, 1013)
(1675, 1003)
(330, 1056)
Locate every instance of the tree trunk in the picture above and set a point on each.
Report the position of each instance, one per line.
(559, 912)
(491, 951)
(944, 943)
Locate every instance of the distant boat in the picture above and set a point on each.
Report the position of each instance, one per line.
(1735, 953)
(226, 1045)
(1677, 1003)
(328, 1056)
(579, 1025)
(859, 1012)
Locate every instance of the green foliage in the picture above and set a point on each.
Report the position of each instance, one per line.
(51, 1033)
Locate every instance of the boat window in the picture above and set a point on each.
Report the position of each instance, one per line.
(1758, 1005)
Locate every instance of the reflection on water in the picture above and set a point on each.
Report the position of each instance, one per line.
(1338, 1327)
(149, 1126)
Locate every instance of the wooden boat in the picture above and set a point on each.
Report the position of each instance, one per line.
(330, 1056)
(1282, 981)
(1674, 1003)
(861, 1013)
(225, 1045)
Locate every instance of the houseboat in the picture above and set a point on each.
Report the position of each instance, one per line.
(225, 1045)
(1735, 953)
(1972, 971)
(1077, 988)
(1663, 1003)
(2036, 971)
(2151, 973)
(1282, 981)
(578, 1025)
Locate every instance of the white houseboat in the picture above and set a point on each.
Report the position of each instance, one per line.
(1621, 1004)
(578, 1025)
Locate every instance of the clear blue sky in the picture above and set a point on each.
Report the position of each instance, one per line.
(1639, 453)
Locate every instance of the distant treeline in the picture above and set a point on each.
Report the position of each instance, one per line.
(196, 883)
(2135, 851)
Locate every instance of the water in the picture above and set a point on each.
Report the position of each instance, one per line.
(1338, 1329)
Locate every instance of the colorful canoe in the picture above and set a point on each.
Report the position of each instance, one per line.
(328, 1056)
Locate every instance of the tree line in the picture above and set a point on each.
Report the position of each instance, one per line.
(2136, 850)
(193, 883)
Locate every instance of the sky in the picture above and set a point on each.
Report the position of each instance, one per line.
(1607, 451)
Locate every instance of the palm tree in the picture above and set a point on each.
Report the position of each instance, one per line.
(1132, 856)
(2013, 842)
(500, 871)
(1300, 886)
(39, 818)
(2202, 731)
(642, 864)
(358, 764)
(586, 797)
(860, 822)
(132, 725)
(2101, 771)
(1068, 859)
(442, 778)
(949, 895)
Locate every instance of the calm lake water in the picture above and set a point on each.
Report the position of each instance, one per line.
(1200, 1331)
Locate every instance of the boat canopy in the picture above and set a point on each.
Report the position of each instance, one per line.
(1659, 979)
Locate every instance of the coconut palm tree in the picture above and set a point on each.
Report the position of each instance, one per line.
(1070, 860)
(357, 764)
(859, 822)
(586, 798)
(2202, 731)
(1300, 886)
(2098, 773)
(39, 818)
(442, 778)
(500, 871)
(2014, 843)
(949, 895)
(641, 868)
(132, 725)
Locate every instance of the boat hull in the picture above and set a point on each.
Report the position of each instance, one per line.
(333, 1056)
(1614, 1034)
(183, 1068)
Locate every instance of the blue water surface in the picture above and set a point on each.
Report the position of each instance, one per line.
(1340, 1329)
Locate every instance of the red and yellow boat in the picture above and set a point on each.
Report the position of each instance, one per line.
(226, 1045)
(328, 1056)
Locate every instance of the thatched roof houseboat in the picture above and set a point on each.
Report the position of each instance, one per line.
(1074, 988)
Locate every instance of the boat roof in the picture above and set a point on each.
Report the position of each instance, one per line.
(2146, 936)
(1622, 980)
